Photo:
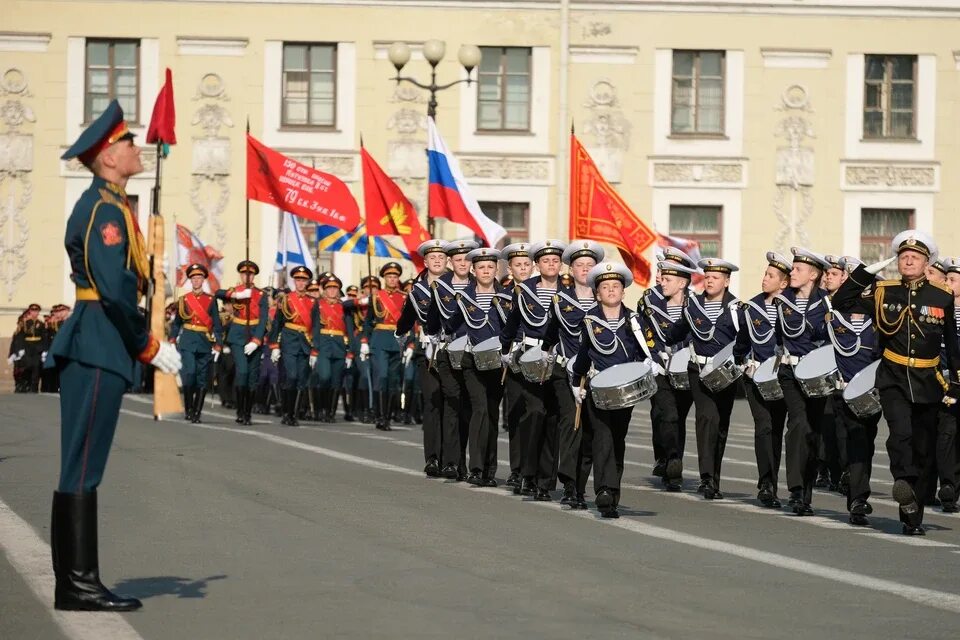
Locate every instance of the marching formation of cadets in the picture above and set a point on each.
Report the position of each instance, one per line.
(28, 349)
(462, 352)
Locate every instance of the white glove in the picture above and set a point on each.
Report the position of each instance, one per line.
(506, 359)
(275, 356)
(250, 347)
(226, 349)
(364, 351)
(401, 340)
(216, 355)
(407, 355)
(313, 361)
(167, 358)
(43, 357)
(548, 358)
(349, 362)
(363, 300)
(877, 267)
(20, 353)
(243, 295)
(578, 393)
(12, 359)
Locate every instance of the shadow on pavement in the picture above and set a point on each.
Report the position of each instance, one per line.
(165, 586)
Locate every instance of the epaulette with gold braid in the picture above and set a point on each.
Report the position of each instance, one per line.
(942, 286)
(888, 283)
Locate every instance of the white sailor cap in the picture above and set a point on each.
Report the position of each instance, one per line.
(431, 246)
(672, 254)
(670, 268)
(836, 262)
(483, 253)
(953, 265)
(809, 257)
(547, 248)
(717, 265)
(458, 247)
(582, 249)
(850, 263)
(940, 265)
(609, 271)
(515, 250)
(915, 240)
(779, 262)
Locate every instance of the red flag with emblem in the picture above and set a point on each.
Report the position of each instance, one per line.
(597, 212)
(164, 118)
(191, 250)
(388, 210)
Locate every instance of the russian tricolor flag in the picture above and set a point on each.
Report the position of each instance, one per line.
(450, 195)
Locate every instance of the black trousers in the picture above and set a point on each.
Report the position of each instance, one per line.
(542, 420)
(769, 419)
(831, 454)
(713, 424)
(568, 467)
(484, 390)
(31, 364)
(804, 419)
(668, 413)
(943, 466)
(432, 410)
(911, 444)
(515, 410)
(608, 432)
(859, 435)
(456, 406)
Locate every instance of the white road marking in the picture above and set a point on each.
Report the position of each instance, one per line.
(30, 556)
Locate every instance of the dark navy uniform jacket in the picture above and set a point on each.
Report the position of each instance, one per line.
(416, 306)
(481, 325)
(563, 328)
(911, 319)
(602, 347)
(853, 350)
(798, 332)
(443, 309)
(707, 337)
(655, 321)
(527, 319)
(757, 337)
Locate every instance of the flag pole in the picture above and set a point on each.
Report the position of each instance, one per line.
(247, 231)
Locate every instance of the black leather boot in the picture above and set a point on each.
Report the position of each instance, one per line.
(348, 404)
(333, 396)
(317, 399)
(238, 393)
(188, 403)
(198, 405)
(75, 557)
(295, 395)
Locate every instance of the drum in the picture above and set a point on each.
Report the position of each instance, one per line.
(816, 373)
(677, 369)
(861, 395)
(623, 385)
(456, 349)
(765, 378)
(721, 371)
(486, 355)
(533, 366)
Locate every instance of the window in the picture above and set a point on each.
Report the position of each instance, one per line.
(512, 216)
(889, 97)
(700, 224)
(112, 71)
(877, 230)
(503, 97)
(697, 92)
(309, 85)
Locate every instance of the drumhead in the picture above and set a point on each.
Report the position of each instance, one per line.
(765, 372)
(490, 344)
(862, 382)
(619, 375)
(532, 354)
(724, 354)
(680, 361)
(460, 344)
(817, 363)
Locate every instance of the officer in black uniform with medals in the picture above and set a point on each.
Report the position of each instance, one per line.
(520, 266)
(756, 342)
(912, 317)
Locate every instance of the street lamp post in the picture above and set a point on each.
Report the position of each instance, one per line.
(433, 52)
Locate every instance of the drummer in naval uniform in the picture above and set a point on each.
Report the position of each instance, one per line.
(756, 343)
(912, 317)
(527, 324)
(660, 307)
(414, 312)
(710, 320)
(608, 338)
(563, 331)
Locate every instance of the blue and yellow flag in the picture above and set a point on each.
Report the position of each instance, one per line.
(330, 238)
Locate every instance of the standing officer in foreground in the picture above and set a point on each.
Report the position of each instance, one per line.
(197, 324)
(245, 335)
(95, 351)
(912, 317)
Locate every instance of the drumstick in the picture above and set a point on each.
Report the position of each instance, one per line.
(503, 378)
(576, 417)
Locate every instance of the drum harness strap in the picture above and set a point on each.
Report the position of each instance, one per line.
(527, 313)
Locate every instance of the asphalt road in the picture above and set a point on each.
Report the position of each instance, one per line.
(331, 531)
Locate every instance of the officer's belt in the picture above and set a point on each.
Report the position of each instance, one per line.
(332, 332)
(391, 327)
(237, 320)
(33, 338)
(87, 294)
(913, 363)
(197, 327)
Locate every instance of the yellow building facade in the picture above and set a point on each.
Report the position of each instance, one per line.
(746, 126)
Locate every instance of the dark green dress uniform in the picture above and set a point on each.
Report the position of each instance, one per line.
(94, 353)
(295, 330)
(248, 325)
(197, 331)
(383, 313)
(332, 349)
(912, 319)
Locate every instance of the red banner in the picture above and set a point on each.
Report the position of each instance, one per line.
(289, 185)
(388, 210)
(597, 212)
(164, 118)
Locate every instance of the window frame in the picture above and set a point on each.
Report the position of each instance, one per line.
(886, 96)
(884, 240)
(87, 116)
(720, 135)
(502, 74)
(699, 238)
(496, 206)
(284, 125)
